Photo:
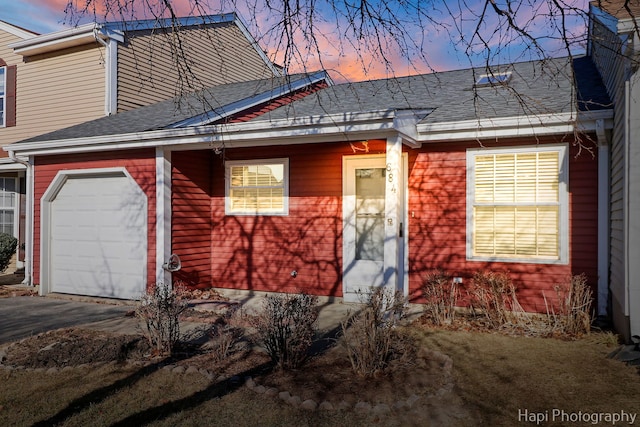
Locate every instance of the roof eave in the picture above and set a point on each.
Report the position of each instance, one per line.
(273, 132)
(516, 126)
(64, 39)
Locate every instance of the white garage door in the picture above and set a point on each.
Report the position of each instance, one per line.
(98, 237)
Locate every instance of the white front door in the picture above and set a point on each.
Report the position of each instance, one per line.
(366, 228)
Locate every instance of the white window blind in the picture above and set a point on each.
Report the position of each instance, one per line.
(257, 187)
(516, 205)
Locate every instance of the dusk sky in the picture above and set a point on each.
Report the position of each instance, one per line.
(439, 48)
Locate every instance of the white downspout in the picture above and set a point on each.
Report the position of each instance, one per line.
(111, 73)
(625, 194)
(603, 218)
(28, 232)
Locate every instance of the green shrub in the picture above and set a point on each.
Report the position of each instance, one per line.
(8, 245)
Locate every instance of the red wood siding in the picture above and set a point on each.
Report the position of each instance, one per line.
(271, 105)
(191, 216)
(437, 223)
(260, 252)
(139, 163)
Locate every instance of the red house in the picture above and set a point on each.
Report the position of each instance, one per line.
(296, 184)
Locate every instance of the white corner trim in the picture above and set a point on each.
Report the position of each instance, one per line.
(163, 214)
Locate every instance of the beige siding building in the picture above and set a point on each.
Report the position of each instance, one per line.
(56, 80)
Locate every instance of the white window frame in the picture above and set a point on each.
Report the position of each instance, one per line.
(3, 97)
(15, 207)
(237, 212)
(563, 199)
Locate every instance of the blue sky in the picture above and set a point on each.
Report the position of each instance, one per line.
(439, 48)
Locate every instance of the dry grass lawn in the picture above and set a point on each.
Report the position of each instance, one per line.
(495, 377)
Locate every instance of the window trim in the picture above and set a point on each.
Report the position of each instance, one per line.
(563, 199)
(227, 172)
(15, 208)
(3, 97)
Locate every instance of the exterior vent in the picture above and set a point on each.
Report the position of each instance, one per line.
(493, 79)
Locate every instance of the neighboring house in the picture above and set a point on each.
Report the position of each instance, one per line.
(295, 184)
(614, 42)
(60, 79)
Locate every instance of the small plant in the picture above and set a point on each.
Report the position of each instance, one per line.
(574, 298)
(160, 310)
(441, 295)
(8, 245)
(223, 340)
(494, 294)
(371, 338)
(286, 326)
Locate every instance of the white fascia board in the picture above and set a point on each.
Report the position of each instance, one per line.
(518, 126)
(246, 103)
(6, 165)
(58, 40)
(284, 131)
(16, 31)
(156, 24)
(595, 121)
(405, 122)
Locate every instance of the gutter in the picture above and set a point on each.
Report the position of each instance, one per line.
(28, 235)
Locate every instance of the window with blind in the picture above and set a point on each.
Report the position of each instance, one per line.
(259, 187)
(517, 204)
(8, 205)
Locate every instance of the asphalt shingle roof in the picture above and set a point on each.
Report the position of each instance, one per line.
(536, 87)
(539, 87)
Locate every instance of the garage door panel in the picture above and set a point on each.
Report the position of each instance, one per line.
(99, 237)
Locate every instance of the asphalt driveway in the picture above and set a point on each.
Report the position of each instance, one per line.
(21, 317)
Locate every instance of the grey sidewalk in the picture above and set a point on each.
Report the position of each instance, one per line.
(21, 317)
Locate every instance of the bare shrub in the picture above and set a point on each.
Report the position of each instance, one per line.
(495, 295)
(160, 309)
(441, 295)
(223, 339)
(573, 304)
(286, 326)
(371, 338)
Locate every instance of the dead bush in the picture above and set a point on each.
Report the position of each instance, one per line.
(494, 294)
(286, 326)
(370, 337)
(223, 340)
(441, 296)
(572, 312)
(159, 309)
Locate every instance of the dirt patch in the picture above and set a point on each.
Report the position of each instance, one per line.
(329, 377)
(73, 347)
(326, 376)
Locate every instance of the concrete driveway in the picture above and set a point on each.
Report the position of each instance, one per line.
(21, 317)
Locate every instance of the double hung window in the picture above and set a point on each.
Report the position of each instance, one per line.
(517, 204)
(257, 187)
